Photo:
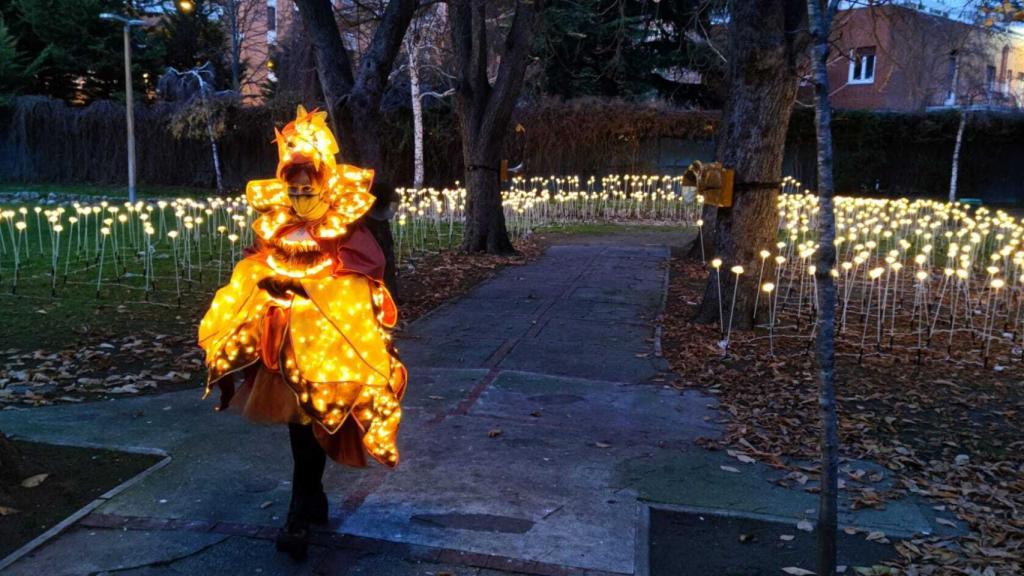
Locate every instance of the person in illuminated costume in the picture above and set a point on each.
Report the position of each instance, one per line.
(306, 321)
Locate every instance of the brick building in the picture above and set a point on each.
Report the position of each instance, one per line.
(261, 24)
(265, 25)
(893, 57)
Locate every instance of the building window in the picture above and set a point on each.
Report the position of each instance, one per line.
(990, 78)
(862, 66)
(271, 18)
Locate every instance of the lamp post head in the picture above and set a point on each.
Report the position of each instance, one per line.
(123, 20)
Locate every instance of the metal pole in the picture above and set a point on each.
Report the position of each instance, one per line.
(128, 108)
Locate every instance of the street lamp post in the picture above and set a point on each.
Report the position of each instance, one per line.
(128, 23)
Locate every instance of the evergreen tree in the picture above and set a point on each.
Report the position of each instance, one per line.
(16, 70)
(81, 56)
(77, 57)
(632, 49)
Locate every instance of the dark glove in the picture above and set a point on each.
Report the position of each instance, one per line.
(279, 287)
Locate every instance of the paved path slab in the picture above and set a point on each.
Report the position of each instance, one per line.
(536, 425)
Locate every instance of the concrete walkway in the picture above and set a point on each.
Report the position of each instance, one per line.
(537, 428)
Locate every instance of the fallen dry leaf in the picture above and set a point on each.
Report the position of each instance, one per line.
(877, 536)
(33, 481)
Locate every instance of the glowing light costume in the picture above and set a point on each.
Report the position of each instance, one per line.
(317, 348)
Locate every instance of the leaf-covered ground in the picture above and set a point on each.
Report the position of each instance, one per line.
(950, 431)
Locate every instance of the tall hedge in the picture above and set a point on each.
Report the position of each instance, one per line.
(43, 140)
(911, 153)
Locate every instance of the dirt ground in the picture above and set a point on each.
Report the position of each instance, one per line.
(31, 503)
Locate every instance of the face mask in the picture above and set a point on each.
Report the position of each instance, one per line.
(306, 202)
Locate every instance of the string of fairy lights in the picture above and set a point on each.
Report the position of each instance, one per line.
(917, 277)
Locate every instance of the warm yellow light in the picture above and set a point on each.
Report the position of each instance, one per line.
(306, 320)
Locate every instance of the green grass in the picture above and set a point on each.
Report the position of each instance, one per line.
(38, 316)
(119, 190)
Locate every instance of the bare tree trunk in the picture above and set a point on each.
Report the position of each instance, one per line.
(412, 53)
(955, 173)
(235, 31)
(485, 111)
(485, 220)
(213, 139)
(353, 100)
(216, 156)
(820, 18)
(767, 43)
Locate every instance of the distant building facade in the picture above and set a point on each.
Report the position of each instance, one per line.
(263, 22)
(899, 58)
(267, 24)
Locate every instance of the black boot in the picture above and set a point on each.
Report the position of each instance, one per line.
(316, 508)
(309, 502)
(294, 538)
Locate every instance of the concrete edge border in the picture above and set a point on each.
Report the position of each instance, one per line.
(665, 283)
(64, 524)
(663, 305)
(642, 561)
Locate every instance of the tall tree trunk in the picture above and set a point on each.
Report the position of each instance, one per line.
(353, 100)
(234, 28)
(485, 220)
(485, 111)
(767, 43)
(412, 54)
(214, 153)
(820, 14)
(955, 172)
